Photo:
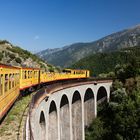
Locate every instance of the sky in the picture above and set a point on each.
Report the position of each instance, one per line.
(36, 25)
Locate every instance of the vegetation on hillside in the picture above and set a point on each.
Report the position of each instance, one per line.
(120, 118)
(99, 63)
(24, 53)
(14, 55)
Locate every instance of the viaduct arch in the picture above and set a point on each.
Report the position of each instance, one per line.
(66, 112)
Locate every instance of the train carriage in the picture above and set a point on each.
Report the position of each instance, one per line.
(29, 77)
(15, 79)
(66, 74)
(9, 87)
(77, 73)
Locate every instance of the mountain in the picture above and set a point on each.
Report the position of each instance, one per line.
(48, 51)
(68, 55)
(16, 56)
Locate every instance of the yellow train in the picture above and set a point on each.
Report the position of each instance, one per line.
(16, 79)
(9, 87)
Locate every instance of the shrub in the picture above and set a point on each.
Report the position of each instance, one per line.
(51, 69)
(11, 55)
(117, 85)
(18, 60)
(4, 41)
(1, 56)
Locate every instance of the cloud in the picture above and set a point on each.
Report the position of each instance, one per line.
(36, 37)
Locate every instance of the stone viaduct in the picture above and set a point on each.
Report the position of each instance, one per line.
(63, 112)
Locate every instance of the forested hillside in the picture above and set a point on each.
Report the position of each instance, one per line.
(119, 119)
(106, 62)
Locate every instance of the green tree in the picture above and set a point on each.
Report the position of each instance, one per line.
(119, 119)
(96, 130)
(12, 56)
(1, 56)
(18, 60)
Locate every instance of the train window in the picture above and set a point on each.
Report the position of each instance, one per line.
(66, 71)
(35, 74)
(17, 78)
(6, 82)
(28, 74)
(86, 74)
(10, 81)
(1, 84)
(31, 75)
(25, 74)
(13, 80)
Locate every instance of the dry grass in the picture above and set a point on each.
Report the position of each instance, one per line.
(9, 127)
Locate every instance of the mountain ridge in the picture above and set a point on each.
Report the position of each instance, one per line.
(70, 54)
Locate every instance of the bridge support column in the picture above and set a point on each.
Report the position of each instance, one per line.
(108, 94)
(53, 122)
(77, 116)
(71, 133)
(83, 122)
(95, 107)
(58, 116)
(64, 123)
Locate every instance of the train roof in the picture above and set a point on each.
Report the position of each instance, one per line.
(29, 68)
(8, 66)
(76, 69)
(17, 67)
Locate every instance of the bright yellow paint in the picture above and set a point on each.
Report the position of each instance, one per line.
(13, 79)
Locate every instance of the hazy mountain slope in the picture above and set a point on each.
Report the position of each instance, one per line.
(13, 55)
(70, 54)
